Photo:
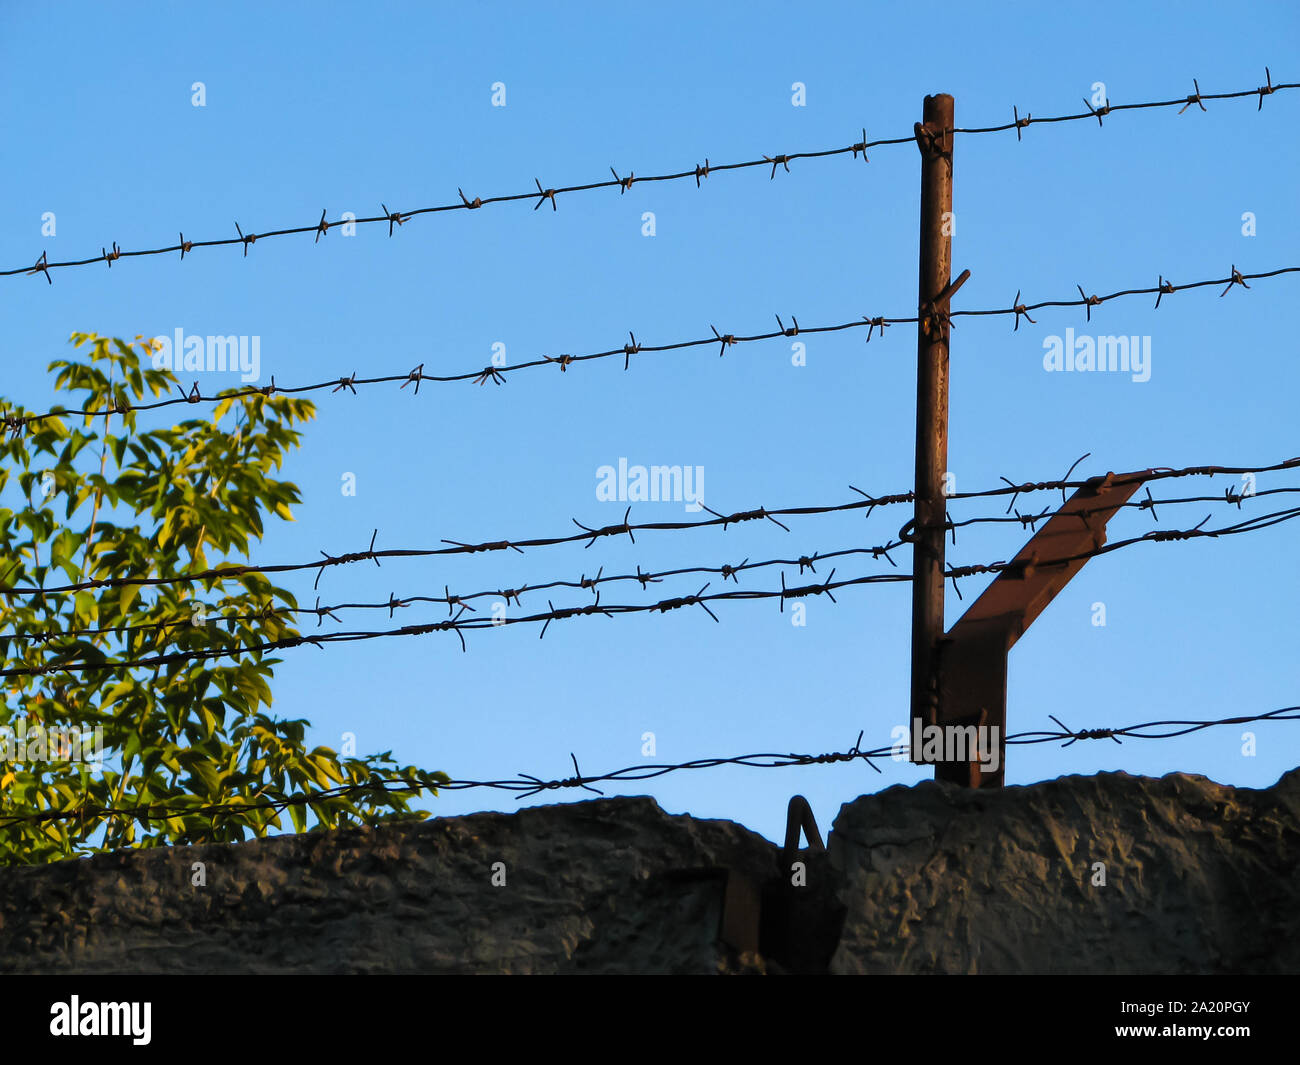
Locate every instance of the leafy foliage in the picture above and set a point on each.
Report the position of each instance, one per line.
(89, 498)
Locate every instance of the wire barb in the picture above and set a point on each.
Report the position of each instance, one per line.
(1019, 310)
(1265, 90)
(393, 218)
(1195, 98)
(1237, 279)
(1020, 123)
(723, 340)
(1098, 112)
(861, 146)
(543, 195)
(623, 183)
(778, 160)
(42, 267)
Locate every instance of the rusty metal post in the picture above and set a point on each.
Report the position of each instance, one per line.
(935, 139)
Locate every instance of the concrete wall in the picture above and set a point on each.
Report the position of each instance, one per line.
(1198, 878)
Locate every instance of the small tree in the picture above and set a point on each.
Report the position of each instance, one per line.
(86, 498)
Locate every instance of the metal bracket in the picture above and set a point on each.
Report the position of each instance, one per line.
(798, 816)
(973, 653)
(801, 925)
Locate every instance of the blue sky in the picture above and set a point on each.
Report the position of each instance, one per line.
(311, 107)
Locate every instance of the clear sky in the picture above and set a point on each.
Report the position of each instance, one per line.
(311, 106)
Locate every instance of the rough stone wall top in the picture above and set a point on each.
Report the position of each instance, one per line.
(584, 890)
(1198, 878)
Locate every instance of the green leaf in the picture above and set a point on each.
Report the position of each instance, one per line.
(186, 733)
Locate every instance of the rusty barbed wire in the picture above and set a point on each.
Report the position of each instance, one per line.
(1017, 123)
(200, 614)
(17, 423)
(591, 535)
(514, 593)
(526, 785)
(587, 533)
(1230, 497)
(460, 624)
(549, 194)
(1262, 521)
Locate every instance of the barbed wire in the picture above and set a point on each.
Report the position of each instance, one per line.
(459, 624)
(543, 195)
(198, 614)
(868, 503)
(1255, 524)
(17, 423)
(505, 595)
(525, 785)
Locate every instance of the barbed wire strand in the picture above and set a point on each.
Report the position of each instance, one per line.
(868, 503)
(544, 195)
(505, 595)
(460, 624)
(526, 785)
(199, 614)
(16, 423)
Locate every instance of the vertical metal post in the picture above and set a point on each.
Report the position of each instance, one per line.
(935, 140)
